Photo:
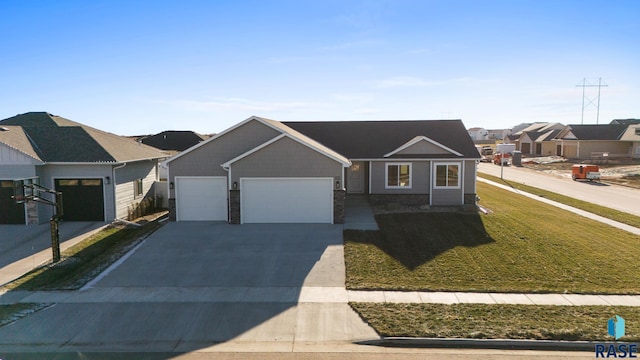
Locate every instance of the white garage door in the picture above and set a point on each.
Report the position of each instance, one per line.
(286, 200)
(201, 198)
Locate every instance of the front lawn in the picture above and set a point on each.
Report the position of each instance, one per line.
(603, 211)
(85, 260)
(499, 321)
(523, 246)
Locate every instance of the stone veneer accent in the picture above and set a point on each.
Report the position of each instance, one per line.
(234, 206)
(338, 206)
(470, 199)
(399, 199)
(172, 209)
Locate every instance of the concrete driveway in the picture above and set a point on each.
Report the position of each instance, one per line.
(203, 286)
(24, 247)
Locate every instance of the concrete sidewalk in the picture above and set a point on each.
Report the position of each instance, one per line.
(26, 242)
(619, 225)
(304, 295)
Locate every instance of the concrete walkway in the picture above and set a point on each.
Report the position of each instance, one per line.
(619, 225)
(358, 214)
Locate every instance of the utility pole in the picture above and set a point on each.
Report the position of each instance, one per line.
(590, 101)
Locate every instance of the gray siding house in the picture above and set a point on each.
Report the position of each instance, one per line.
(101, 175)
(265, 171)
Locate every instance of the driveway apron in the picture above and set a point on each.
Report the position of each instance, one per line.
(205, 286)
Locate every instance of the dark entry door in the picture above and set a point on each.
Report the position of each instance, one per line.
(10, 212)
(82, 199)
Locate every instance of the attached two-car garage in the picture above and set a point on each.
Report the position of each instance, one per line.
(262, 200)
(286, 200)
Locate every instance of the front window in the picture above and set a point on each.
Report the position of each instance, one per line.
(398, 175)
(447, 175)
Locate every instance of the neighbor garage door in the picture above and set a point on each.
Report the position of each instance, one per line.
(286, 200)
(201, 198)
(10, 212)
(82, 199)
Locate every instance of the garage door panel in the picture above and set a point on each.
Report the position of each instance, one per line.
(201, 199)
(82, 199)
(10, 212)
(287, 200)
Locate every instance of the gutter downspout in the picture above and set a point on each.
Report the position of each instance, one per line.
(115, 202)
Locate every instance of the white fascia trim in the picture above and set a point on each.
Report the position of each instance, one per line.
(22, 152)
(418, 139)
(278, 138)
(415, 159)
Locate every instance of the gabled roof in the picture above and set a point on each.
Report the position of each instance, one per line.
(374, 139)
(598, 132)
(625, 121)
(173, 140)
(632, 133)
(312, 145)
(418, 139)
(276, 125)
(15, 138)
(548, 136)
(56, 139)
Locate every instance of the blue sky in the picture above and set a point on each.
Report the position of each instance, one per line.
(136, 67)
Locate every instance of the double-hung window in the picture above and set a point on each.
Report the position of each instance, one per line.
(398, 176)
(447, 175)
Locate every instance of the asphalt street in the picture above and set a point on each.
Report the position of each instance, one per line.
(613, 196)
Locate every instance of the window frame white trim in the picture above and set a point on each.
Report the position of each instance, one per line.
(386, 175)
(447, 187)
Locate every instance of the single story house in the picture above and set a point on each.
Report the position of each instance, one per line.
(101, 175)
(266, 171)
(173, 141)
(594, 141)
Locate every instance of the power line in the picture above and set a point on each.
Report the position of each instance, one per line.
(590, 101)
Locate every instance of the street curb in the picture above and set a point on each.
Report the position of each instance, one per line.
(497, 344)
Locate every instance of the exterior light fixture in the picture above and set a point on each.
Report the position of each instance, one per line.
(337, 184)
(235, 185)
(171, 185)
(107, 180)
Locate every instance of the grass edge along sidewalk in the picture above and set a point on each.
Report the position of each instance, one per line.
(85, 260)
(524, 246)
(603, 211)
(498, 321)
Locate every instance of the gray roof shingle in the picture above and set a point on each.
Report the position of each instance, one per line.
(374, 139)
(56, 139)
(598, 132)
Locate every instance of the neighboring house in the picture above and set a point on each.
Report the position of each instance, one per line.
(498, 134)
(625, 121)
(265, 171)
(101, 175)
(478, 133)
(173, 141)
(538, 139)
(596, 141)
